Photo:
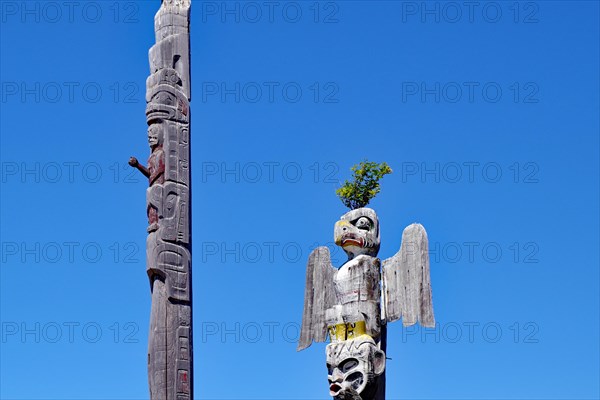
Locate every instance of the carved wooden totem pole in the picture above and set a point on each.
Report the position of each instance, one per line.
(354, 303)
(168, 246)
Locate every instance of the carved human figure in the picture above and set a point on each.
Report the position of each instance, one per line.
(155, 172)
(157, 337)
(353, 304)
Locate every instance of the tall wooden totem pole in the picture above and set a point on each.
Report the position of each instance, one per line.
(168, 200)
(354, 303)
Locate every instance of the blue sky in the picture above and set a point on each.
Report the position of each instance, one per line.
(488, 115)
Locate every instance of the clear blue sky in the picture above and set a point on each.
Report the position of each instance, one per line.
(488, 115)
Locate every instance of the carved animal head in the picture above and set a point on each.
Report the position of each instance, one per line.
(166, 101)
(357, 232)
(354, 367)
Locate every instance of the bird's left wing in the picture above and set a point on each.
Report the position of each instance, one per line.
(319, 295)
(406, 281)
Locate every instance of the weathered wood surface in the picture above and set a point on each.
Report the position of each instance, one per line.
(347, 303)
(406, 280)
(168, 199)
(319, 295)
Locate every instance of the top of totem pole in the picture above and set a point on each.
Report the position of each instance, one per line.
(172, 18)
(169, 80)
(176, 3)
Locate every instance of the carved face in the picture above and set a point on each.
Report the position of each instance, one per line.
(357, 232)
(353, 367)
(154, 135)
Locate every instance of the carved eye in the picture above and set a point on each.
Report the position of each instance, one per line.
(363, 223)
(349, 364)
(356, 379)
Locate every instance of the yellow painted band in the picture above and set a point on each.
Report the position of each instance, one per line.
(347, 331)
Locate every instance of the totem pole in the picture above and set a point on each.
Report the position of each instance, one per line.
(353, 304)
(169, 242)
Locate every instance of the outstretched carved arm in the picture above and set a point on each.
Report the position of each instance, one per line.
(135, 164)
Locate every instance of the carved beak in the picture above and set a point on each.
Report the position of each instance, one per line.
(341, 230)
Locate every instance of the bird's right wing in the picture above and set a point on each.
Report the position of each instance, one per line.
(319, 295)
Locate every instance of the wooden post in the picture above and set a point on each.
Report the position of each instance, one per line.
(168, 199)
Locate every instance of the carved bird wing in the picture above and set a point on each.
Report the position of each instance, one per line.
(406, 281)
(319, 295)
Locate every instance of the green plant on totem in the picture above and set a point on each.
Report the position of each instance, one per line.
(364, 185)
